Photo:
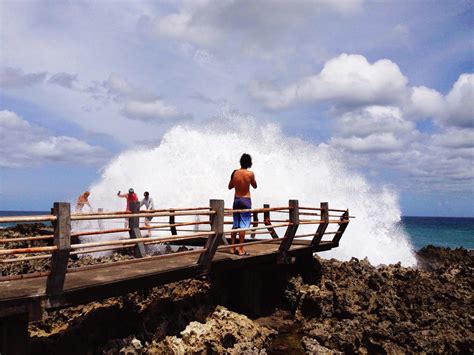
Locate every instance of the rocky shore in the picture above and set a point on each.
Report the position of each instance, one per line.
(342, 307)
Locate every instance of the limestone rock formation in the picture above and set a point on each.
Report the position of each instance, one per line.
(224, 332)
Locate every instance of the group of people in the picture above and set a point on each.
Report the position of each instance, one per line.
(240, 180)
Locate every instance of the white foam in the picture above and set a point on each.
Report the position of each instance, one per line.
(193, 164)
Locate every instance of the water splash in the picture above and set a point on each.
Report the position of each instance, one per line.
(193, 164)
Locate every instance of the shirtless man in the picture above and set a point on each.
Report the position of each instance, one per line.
(83, 200)
(241, 180)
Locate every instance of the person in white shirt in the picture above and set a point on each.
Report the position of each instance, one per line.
(148, 203)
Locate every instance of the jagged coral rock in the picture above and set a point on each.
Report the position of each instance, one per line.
(224, 332)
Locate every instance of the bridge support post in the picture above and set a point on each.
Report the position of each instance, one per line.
(290, 231)
(342, 228)
(266, 220)
(322, 226)
(14, 335)
(213, 241)
(62, 240)
(134, 232)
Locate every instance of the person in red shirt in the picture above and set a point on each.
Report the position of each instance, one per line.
(131, 197)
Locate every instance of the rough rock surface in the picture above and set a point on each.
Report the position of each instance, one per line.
(359, 308)
(224, 332)
(350, 307)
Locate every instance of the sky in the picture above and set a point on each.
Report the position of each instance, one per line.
(387, 84)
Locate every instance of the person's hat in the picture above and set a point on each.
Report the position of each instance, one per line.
(131, 191)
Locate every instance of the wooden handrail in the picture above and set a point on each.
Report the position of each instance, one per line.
(141, 214)
(40, 218)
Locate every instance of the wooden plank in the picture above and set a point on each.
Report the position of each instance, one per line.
(62, 240)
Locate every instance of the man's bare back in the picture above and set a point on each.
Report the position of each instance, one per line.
(241, 180)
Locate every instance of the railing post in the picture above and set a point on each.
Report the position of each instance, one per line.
(172, 221)
(342, 227)
(266, 220)
(322, 226)
(290, 231)
(134, 232)
(62, 240)
(214, 240)
(254, 223)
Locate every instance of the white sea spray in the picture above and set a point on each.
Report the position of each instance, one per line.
(193, 164)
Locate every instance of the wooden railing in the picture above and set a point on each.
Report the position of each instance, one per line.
(66, 243)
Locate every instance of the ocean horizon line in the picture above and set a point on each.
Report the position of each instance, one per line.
(403, 216)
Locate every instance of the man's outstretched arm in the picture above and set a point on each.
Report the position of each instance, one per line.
(231, 183)
(253, 182)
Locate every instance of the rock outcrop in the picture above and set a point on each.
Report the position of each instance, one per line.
(224, 332)
(359, 308)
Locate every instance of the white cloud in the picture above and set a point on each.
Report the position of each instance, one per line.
(23, 144)
(454, 109)
(151, 110)
(460, 102)
(374, 119)
(426, 103)
(373, 143)
(17, 78)
(209, 22)
(455, 138)
(346, 79)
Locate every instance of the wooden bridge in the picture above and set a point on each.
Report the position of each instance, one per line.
(27, 297)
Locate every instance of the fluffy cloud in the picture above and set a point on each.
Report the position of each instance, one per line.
(346, 80)
(373, 119)
(460, 102)
(454, 109)
(373, 129)
(151, 110)
(23, 144)
(17, 78)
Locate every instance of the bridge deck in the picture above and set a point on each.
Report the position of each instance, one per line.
(106, 280)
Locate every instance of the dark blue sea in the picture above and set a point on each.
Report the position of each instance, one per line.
(452, 232)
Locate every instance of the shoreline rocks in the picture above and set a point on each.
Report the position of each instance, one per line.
(347, 307)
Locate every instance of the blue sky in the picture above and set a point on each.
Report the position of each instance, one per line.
(389, 84)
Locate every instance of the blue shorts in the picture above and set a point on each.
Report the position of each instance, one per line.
(242, 219)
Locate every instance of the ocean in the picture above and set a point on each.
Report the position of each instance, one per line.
(451, 232)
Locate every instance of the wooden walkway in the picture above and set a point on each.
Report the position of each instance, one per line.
(29, 296)
(100, 281)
